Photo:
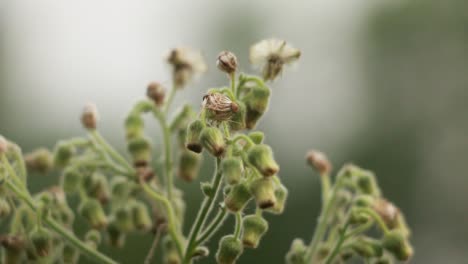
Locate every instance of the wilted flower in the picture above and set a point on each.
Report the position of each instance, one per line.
(227, 62)
(220, 107)
(271, 55)
(186, 63)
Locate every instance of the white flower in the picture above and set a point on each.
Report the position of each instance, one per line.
(186, 64)
(271, 55)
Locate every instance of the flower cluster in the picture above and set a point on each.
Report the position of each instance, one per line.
(118, 195)
(351, 208)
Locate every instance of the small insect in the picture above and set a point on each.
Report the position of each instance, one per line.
(220, 107)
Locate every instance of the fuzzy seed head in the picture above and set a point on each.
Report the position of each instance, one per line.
(186, 64)
(319, 161)
(220, 107)
(90, 116)
(156, 92)
(227, 62)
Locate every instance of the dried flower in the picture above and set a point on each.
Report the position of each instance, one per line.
(227, 62)
(90, 116)
(319, 161)
(219, 106)
(186, 63)
(271, 55)
(156, 92)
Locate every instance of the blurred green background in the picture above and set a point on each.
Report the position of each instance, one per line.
(383, 84)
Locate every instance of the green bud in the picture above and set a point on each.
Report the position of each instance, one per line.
(134, 126)
(238, 197)
(40, 160)
(70, 254)
(170, 255)
(194, 131)
(70, 181)
(364, 200)
(367, 247)
(62, 154)
(237, 120)
(96, 186)
(358, 218)
(116, 237)
(281, 195)
(257, 137)
(212, 140)
(232, 170)
(296, 254)
(189, 165)
(141, 217)
(207, 189)
(366, 182)
(5, 208)
(229, 250)
(402, 225)
(140, 150)
(123, 218)
(182, 117)
(201, 252)
(41, 240)
(263, 191)
(120, 188)
(258, 99)
(13, 249)
(254, 227)
(261, 157)
(94, 236)
(396, 243)
(92, 211)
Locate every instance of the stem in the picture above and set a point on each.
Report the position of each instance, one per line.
(248, 140)
(213, 227)
(233, 83)
(22, 166)
(338, 244)
(237, 230)
(376, 217)
(110, 150)
(154, 245)
(322, 221)
(170, 99)
(325, 181)
(170, 214)
(12, 173)
(203, 213)
(167, 151)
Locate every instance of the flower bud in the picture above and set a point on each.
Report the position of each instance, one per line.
(366, 181)
(189, 165)
(254, 227)
(219, 107)
(207, 189)
(170, 255)
(93, 237)
(319, 161)
(367, 247)
(201, 252)
(281, 195)
(140, 150)
(70, 180)
(237, 120)
(296, 254)
(364, 200)
(237, 197)
(89, 116)
(261, 157)
(258, 99)
(39, 160)
(257, 137)
(387, 211)
(251, 118)
(229, 250)
(92, 211)
(141, 217)
(70, 254)
(263, 191)
(212, 140)
(13, 248)
(5, 208)
(156, 92)
(41, 240)
(194, 131)
(3, 145)
(62, 154)
(227, 62)
(358, 218)
(116, 237)
(134, 126)
(120, 188)
(123, 218)
(96, 186)
(232, 170)
(396, 243)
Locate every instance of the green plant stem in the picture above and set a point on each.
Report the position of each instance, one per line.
(18, 155)
(167, 151)
(110, 150)
(339, 243)
(247, 139)
(213, 227)
(170, 213)
(322, 221)
(203, 213)
(233, 83)
(325, 182)
(376, 217)
(12, 173)
(237, 230)
(57, 227)
(172, 94)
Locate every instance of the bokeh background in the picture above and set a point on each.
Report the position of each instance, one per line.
(383, 84)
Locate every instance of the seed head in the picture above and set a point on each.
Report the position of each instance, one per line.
(186, 63)
(388, 211)
(219, 106)
(319, 161)
(156, 92)
(227, 62)
(90, 116)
